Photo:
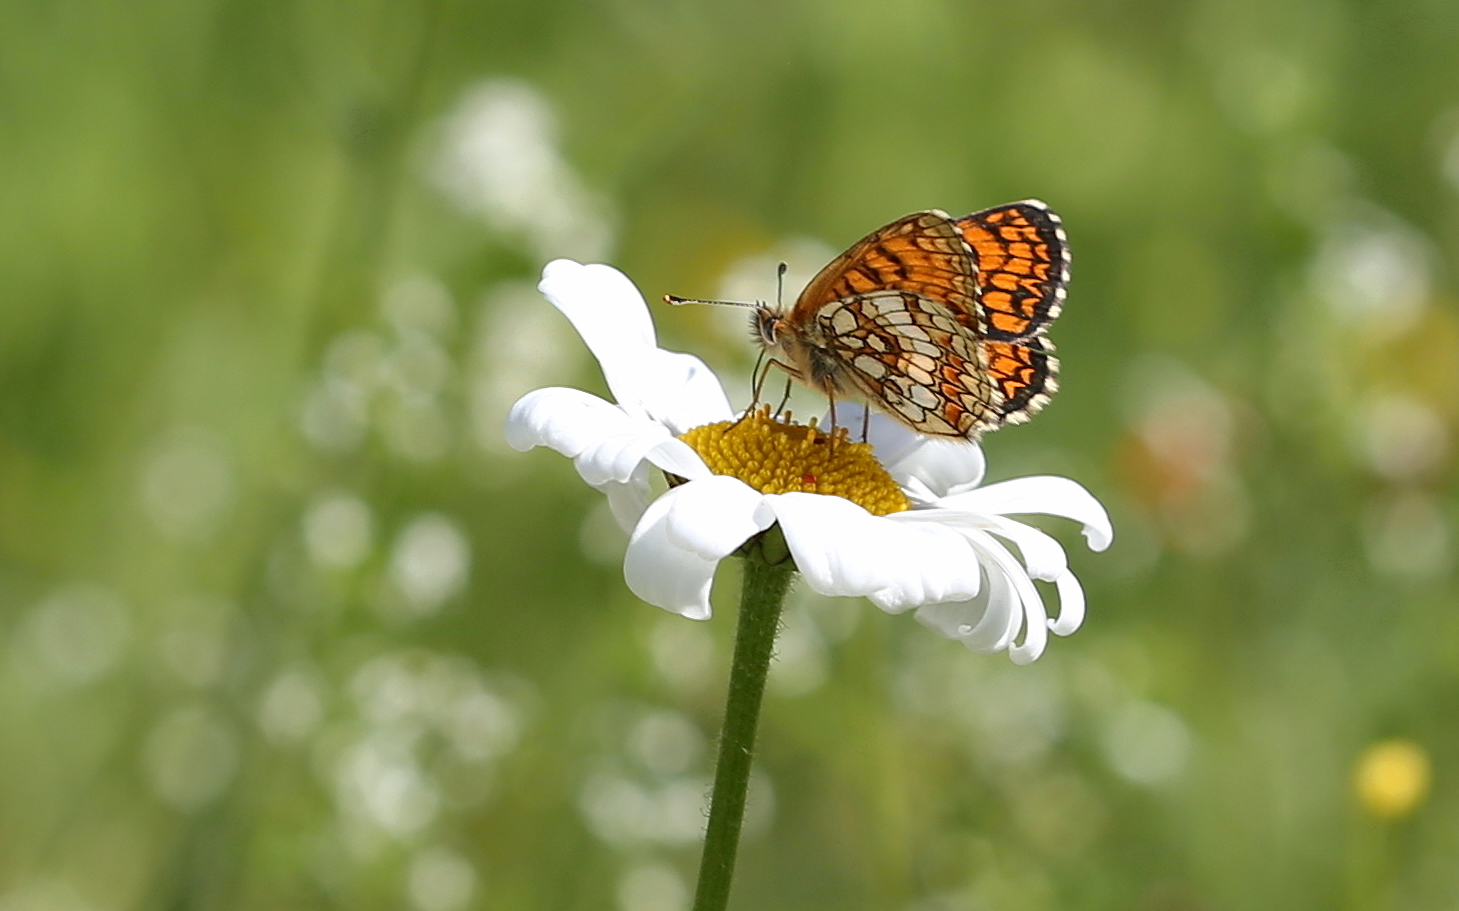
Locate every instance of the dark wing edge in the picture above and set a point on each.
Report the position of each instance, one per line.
(1026, 375)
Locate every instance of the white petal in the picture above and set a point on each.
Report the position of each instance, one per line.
(628, 500)
(1035, 626)
(712, 517)
(613, 320)
(616, 457)
(1004, 618)
(838, 546)
(603, 306)
(953, 619)
(1071, 605)
(567, 420)
(677, 457)
(1042, 555)
(1040, 494)
(679, 390)
(937, 563)
(945, 466)
(898, 548)
(986, 624)
(660, 571)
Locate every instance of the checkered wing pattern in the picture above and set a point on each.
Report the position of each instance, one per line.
(915, 359)
(909, 354)
(1021, 257)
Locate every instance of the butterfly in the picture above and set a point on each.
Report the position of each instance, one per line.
(936, 321)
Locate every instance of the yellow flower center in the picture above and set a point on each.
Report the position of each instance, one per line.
(775, 456)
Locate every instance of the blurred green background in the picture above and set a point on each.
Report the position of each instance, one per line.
(284, 624)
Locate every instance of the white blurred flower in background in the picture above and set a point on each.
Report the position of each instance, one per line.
(499, 160)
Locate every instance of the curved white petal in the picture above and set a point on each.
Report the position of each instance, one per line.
(953, 619)
(1036, 619)
(712, 517)
(1002, 620)
(604, 307)
(837, 545)
(660, 571)
(629, 499)
(1071, 605)
(613, 320)
(1041, 494)
(567, 420)
(987, 623)
(1042, 555)
(945, 466)
(615, 458)
(936, 563)
(679, 390)
(677, 457)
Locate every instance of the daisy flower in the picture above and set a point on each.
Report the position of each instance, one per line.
(901, 519)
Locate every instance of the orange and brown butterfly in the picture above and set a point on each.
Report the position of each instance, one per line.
(935, 321)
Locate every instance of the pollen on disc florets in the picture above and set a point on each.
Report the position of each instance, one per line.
(775, 456)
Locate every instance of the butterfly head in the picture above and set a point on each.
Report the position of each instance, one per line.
(766, 326)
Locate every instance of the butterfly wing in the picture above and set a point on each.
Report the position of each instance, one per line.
(1022, 261)
(923, 253)
(1025, 373)
(912, 357)
(939, 322)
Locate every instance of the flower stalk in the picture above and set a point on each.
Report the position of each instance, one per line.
(767, 574)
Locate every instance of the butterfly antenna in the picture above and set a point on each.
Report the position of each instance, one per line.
(780, 284)
(680, 301)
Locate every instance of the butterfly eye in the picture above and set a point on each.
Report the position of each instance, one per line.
(764, 325)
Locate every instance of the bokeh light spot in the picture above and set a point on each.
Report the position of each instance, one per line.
(1392, 778)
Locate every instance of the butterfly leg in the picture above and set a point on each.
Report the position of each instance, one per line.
(831, 399)
(865, 422)
(759, 385)
(755, 386)
(784, 399)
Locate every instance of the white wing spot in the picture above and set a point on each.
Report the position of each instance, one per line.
(870, 366)
(919, 365)
(924, 396)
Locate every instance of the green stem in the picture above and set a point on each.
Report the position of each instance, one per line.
(762, 594)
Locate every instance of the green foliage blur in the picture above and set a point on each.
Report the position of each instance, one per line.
(285, 624)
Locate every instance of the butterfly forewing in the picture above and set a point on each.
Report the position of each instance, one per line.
(1022, 262)
(923, 253)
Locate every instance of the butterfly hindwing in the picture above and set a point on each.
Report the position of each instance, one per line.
(908, 354)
